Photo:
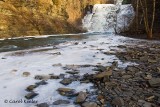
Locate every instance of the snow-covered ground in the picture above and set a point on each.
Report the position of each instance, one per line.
(37, 62)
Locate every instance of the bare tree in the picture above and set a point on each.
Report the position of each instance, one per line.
(148, 26)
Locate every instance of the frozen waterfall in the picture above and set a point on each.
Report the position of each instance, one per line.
(109, 18)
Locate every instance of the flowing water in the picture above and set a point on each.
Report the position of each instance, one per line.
(33, 42)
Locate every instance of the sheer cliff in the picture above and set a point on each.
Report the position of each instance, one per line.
(41, 17)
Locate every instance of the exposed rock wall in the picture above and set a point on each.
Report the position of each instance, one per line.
(38, 17)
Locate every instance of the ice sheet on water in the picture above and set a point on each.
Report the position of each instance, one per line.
(13, 84)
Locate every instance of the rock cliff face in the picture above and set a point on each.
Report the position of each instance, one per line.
(40, 17)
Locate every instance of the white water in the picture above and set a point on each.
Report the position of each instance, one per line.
(109, 18)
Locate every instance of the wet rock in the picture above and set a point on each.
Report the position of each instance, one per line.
(72, 72)
(43, 105)
(26, 74)
(31, 95)
(89, 104)
(31, 87)
(118, 101)
(67, 92)
(43, 82)
(66, 81)
(81, 97)
(59, 102)
(154, 82)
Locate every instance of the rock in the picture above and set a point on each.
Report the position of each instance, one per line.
(46, 77)
(76, 43)
(75, 77)
(31, 95)
(55, 65)
(81, 97)
(152, 61)
(132, 68)
(143, 58)
(158, 69)
(89, 104)
(102, 58)
(14, 70)
(150, 98)
(61, 76)
(84, 81)
(72, 72)
(148, 77)
(43, 105)
(143, 103)
(127, 57)
(154, 82)
(102, 101)
(67, 92)
(42, 77)
(3, 58)
(99, 68)
(54, 77)
(31, 87)
(84, 42)
(26, 74)
(66, 81)
(56, 53)
(118, 101)
(126, 76)
(59, 102)
(43, 82)
(103, 74)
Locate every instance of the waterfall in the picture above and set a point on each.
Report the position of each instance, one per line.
(109, 18)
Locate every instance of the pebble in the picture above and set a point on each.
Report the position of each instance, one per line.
(59, 102)
(43, 105)
(31, 95)
(26, 74)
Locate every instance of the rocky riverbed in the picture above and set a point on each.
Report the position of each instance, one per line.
(96, 72)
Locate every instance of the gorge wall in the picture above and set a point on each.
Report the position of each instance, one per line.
(42, 17)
